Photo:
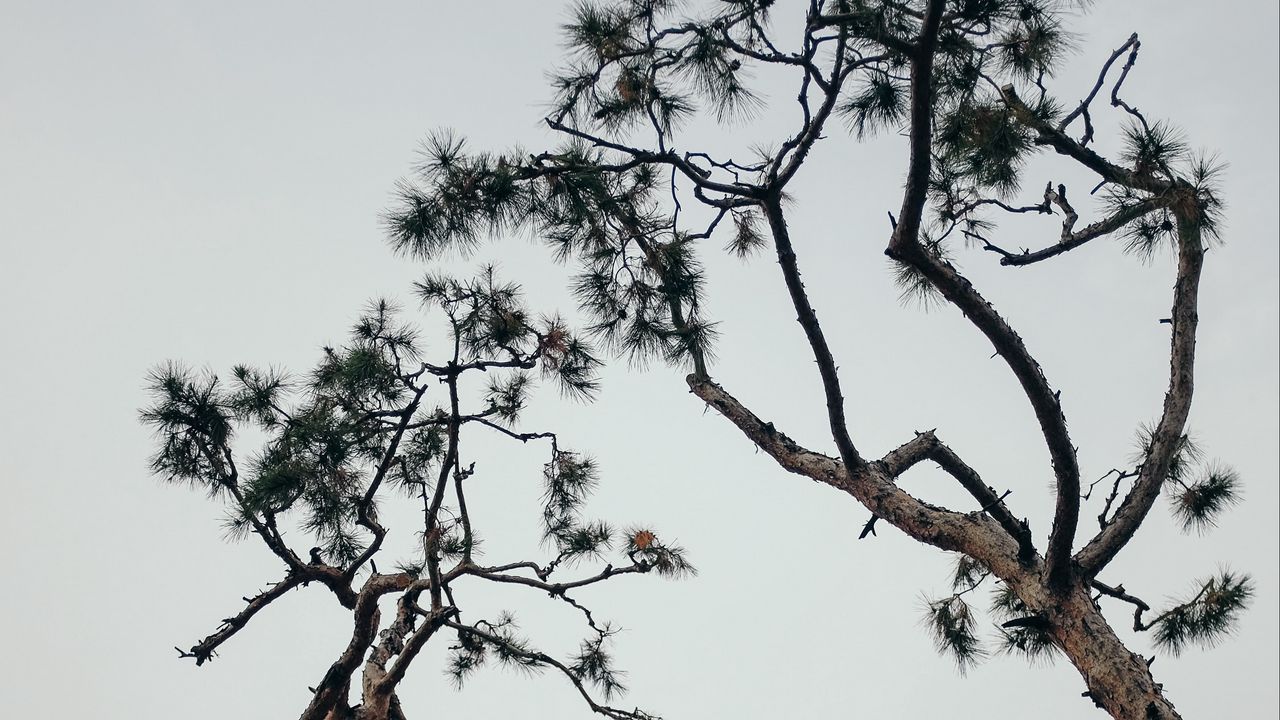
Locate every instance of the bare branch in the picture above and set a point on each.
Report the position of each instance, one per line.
(926, 445)
(1118, 592)
(808, 319)
(975, 534)
(1072, 239)
(205, 649)
(1083, 107)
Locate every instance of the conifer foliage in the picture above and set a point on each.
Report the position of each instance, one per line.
(377, 422)
(632, 210)
(627, 203)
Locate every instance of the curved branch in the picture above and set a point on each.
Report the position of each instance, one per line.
(927, 446)
(1064, 145)
(1177, 401)
(905, 247)
(332, 690)
(556, 588)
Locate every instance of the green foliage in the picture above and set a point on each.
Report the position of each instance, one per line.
(258, 396)
(913, 286)
(465, 658)
(328, 433)
(1032, 46)
(967, 573)
(577, 540)
(983, 143)
(747, 238)
(880, 104)
(1186, 455)
(507, 395)
(1204, 173)
(568, 359)
(594, 664)
(634, 65)
(422, 449)
(568, 479)
(717, 74)
(1198, 505)
(1208, 616)
(496, 640)
(193, 421)
(873, 25)
(1153, 149)
(491, 321)
(1030, 641)
(1199, 203)
(634, 266)
(954, 628)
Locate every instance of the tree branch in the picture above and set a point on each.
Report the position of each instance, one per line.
(363, 515)
(1071, 240)
(1064, 145)
(203, 651)
(556, 588)
(881, 34)
(975, 534)
(905, 247)
(927, 446)
(540, 658)
(1118, 592)
(1083, 107)
(1177, 401)
(433, 621)
(332, 690)
(808, 320)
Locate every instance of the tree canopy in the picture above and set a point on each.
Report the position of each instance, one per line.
(633, 211)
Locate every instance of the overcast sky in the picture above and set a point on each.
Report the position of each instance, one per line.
(202, 182)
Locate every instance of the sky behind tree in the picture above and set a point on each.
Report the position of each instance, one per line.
(203, 183)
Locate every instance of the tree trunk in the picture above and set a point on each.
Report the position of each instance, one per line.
(383, 707)
(1119, 681)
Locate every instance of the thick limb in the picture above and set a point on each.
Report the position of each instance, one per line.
(1177, 405)
(333, 688)
(905, 247)
(975, 534)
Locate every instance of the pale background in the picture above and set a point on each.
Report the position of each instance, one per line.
(202, 181)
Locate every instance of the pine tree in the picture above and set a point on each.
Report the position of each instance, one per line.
(377, 423)
(967, 81)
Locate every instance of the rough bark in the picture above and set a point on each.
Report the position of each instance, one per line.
(1119, 680)
(1177, 402)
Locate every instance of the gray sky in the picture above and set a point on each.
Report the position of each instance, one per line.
(201, 181)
